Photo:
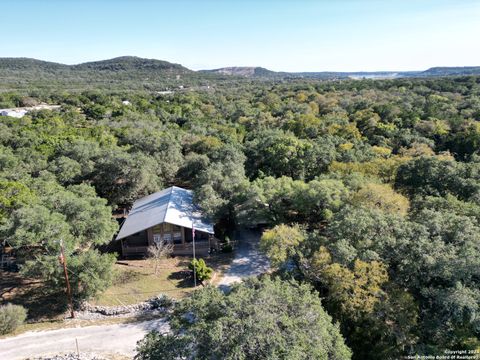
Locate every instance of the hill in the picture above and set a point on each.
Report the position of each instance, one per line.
(449, 71)
(244, 71)
(135, 73)
(126, 72)
(12, 64)
(131, 63)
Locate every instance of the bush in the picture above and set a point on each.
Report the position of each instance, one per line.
(161, 302)
(11, 317)
(227, 245)
(227, 248)
(203, 271)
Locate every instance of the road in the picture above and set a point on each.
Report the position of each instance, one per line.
(248, 260)
(103, 339)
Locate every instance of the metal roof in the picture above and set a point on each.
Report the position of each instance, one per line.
(173, 205)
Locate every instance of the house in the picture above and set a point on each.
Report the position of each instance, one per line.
(166, 216)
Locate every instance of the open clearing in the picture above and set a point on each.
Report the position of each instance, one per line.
(136, 282)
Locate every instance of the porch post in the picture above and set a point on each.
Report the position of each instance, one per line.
(150, 236)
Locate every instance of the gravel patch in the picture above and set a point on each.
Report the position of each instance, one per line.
(71, 356)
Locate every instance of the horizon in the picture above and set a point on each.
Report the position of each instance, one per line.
(300, 36)
(241, 66)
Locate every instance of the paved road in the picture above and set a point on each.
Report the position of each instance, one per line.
(248, 260)
(106, 339)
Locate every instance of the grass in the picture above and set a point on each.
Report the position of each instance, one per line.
(135, 280)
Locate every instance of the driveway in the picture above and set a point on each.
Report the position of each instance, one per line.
(119, 339)
(248, 260)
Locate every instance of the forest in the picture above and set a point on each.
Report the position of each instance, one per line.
(368, 192)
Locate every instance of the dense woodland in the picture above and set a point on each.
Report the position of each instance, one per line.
(369, 192)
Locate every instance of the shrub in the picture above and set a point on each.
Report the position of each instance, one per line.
(161, 302)
(11, 317)
(203, 271)
(227, 245)
(227, 248)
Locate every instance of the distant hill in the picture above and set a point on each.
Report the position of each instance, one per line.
(449, 71)
(133, 73)
(259, 72)
(131, 63)
(245, 71)
(126, 72)
(30, 64)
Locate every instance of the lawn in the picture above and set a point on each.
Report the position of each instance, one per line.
(135, 280)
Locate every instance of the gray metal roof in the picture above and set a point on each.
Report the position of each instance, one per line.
(173, 205)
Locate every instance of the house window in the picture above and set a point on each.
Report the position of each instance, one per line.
(157, 238)
(177, 237)
(167, 237)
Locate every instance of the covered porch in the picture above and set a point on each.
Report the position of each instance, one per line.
(137, 244)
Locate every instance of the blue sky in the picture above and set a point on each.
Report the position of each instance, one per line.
(289, 35)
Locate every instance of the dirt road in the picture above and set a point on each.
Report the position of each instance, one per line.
(248, 260)
(102, 339)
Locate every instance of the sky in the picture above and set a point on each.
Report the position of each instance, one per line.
(281, 35)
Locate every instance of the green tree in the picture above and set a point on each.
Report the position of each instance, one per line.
(259, 319)
(281, 243)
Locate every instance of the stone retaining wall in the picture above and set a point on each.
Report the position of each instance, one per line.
(156, 305)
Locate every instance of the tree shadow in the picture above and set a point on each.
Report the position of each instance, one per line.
(33, 295)
(183, 279)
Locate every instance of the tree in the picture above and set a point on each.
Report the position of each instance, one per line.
(218, 184)
(435, 255)
(122, 178)
(158, 252)
(281, 243)
(275, 153)
(74, 216)
(14, 194)
(284, 200)
(381, 196)
(355, 292)
(259, 319)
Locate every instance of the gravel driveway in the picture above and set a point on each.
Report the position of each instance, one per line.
(248, 260)
(103, 339)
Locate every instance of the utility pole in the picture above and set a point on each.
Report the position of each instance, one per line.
(194, 262)
(63, 262)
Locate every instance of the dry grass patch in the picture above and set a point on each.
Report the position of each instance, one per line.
(136, 281)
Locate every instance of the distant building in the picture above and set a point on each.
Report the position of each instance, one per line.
(22, 111)
(16, 113)
(166, 216)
